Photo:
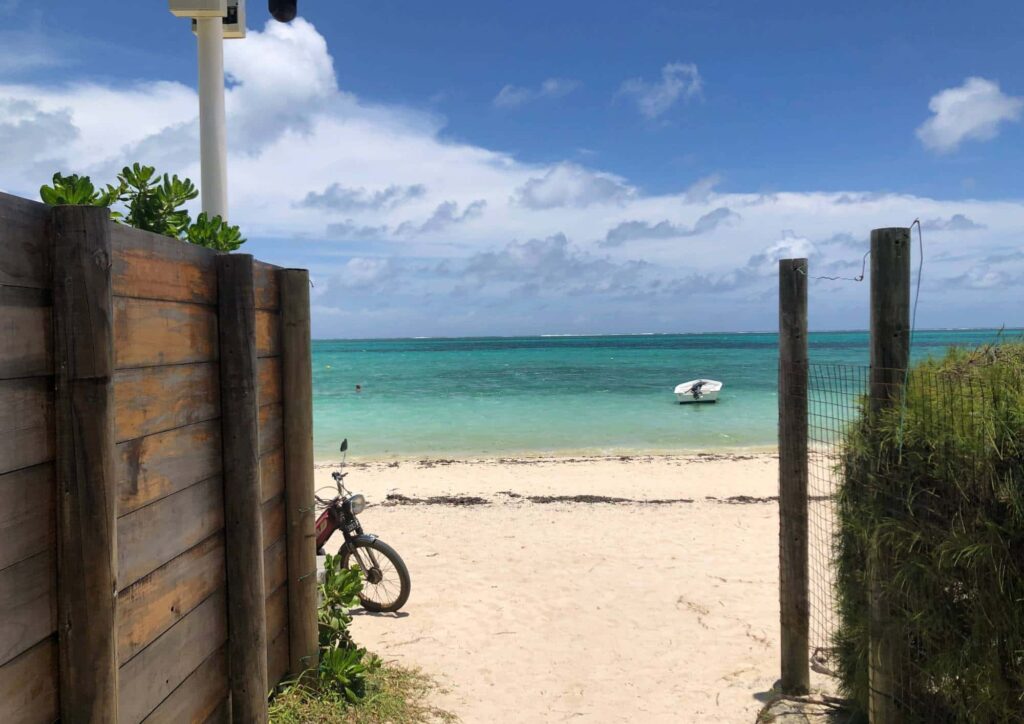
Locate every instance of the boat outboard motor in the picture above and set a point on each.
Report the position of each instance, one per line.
(695, 390)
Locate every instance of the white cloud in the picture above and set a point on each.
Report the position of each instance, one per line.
(511, 96)
(569, 185)
(488, 243)
(634, 230)
(973, 111)
(956, 222)
(679, 81)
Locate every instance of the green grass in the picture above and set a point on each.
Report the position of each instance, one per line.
(933, 496)
(394, 695)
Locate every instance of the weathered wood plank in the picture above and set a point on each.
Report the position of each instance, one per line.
(25, 261)
(272, 474)
(794, 602)
(153, 467)
(162, 666)
(199, 696)
(271, 428)
(26, 332)
(28, 516)
(273, 520)
(151, 266)
(275, 564)
(157, 601)
(28, 602)
(297, 394)
(247, 621)
(277, 657)
(277, 611)
(158, 533)
(269, 369)
(86, 489)
(157, 399)
(26, 422)
(268, 334)
(266, 288)
(28, 686)
(222, 714)
(149, 333)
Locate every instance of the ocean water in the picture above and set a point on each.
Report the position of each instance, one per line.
(485, 397)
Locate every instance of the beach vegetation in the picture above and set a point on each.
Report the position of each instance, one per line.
(143, 199)
(932, 501)
(351, 685)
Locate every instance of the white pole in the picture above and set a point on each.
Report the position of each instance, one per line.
(212, 134)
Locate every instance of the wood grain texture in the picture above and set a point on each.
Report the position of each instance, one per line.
(28, 604)
(26, 422)
(247, 622)
(266, 290)
(199, 696)
(157, 399)
(269, 370)
(297, 414)
(26, 332)
(150, 333)
(157, 601)
(277, 611)
(271, 428)
(158, 533)
(24, 234)
(273, 520)
(28, 686)
(275, 563)
(268, 333)
(27, 517)
(151, 266)
(222, 714)
(153, 467)
(161, 667)
(277, 657)
(87, 490)
(272, 474)
(794, 591)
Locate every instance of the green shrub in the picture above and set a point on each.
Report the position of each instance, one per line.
(933, 494)
(151, 202)
(342, 667)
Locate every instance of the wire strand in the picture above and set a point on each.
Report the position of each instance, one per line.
(858, 278)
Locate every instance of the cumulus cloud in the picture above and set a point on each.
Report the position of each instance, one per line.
(633, 230)
(445, 215)
(956, 222)
(512, 96)
(489, 244)
(972, 111)
(679, 81)
(343, 198)
(569, 185)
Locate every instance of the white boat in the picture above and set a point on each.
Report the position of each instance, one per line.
(698, 391)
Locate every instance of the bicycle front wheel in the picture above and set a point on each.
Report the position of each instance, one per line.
(386, 580)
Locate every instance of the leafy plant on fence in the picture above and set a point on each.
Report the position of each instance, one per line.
(933, 496)
(151, 202)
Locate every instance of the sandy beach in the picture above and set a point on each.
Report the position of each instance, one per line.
(633, 588)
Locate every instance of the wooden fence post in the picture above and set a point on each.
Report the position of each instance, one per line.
(246, 594)
(890, 357)
(794, 604)
(83, 323)
(297, 394)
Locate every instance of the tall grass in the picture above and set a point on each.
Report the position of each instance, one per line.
(933, 496)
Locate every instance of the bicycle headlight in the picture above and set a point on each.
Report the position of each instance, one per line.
(356, 504)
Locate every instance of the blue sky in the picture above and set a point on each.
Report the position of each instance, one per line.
(469, 168)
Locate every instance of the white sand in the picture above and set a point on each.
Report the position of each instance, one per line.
(537, 612)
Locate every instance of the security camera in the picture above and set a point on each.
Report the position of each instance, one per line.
(284, 10)
(234, 17)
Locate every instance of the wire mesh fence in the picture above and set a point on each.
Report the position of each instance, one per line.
(916, 534)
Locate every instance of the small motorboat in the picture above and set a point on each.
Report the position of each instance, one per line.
(698, 391)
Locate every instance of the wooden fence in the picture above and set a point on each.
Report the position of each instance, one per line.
(157, 558)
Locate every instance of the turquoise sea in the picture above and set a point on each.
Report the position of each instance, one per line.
(501, 396)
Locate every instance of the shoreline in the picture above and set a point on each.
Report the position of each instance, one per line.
(529, 457)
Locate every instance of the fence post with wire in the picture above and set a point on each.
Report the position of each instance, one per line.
(794, 605)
